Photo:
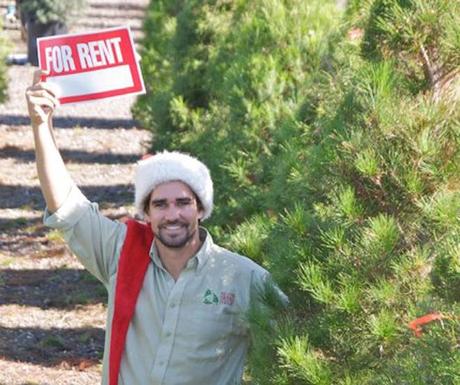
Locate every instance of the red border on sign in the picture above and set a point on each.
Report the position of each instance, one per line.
(129, 58)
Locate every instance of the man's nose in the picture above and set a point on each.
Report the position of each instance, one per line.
(172, 213)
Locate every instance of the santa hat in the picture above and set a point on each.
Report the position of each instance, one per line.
(173, 166)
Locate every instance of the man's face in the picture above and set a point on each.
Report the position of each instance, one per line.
(173, 214)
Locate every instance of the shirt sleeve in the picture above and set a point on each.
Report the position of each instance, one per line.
(265, 291)
(95, 239)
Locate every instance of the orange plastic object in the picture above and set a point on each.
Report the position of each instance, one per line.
(416, 325)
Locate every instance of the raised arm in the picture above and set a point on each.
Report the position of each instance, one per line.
(55, 181)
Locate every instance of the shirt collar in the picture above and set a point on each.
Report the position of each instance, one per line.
(197, 261)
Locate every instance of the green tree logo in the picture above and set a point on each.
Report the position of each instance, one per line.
(210, 298)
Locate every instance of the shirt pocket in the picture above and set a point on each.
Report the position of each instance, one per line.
(209, 329)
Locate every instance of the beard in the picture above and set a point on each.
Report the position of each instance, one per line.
(177, 239)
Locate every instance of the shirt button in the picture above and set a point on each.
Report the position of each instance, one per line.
(172, 306)
(168, 334)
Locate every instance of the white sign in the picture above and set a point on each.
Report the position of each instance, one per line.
(91, 66)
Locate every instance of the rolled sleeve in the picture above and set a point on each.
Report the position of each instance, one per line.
(95, 239)
(69, 213)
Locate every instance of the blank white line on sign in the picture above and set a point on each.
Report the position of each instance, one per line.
(92, 82)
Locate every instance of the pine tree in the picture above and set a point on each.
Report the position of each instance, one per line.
(334, 142)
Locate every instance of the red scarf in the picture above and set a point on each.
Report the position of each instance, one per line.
(132, 266)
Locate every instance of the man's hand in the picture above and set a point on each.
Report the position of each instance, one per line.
(41, 100)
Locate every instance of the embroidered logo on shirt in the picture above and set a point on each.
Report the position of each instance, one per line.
(227, 298)
(210, 298)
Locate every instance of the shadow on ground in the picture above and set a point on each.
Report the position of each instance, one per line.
(81, 347)
(28, 237)
(17, 196)
(93, 25)
(119, 5)
(71, 122)
(56, 288)
(79, 156)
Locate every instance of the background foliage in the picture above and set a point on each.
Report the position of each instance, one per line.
(51, 11)
(4, 49)
(333, 139)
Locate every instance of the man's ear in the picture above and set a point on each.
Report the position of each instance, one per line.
(146, 207)
(146, 218)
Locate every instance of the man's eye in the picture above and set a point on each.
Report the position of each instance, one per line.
(159, 205)
(183, 203)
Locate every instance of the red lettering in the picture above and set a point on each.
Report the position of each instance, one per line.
(227, 298)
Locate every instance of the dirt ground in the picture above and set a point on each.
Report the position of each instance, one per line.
(52, 312)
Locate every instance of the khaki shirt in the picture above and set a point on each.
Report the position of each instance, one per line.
(186, 332)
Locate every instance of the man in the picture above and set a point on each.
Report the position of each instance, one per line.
(177, 302)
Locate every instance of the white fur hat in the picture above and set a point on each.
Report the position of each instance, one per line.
(173, 166)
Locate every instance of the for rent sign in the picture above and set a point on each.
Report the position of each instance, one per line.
(91, 66)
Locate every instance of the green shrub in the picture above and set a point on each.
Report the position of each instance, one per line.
(336, 161)
(424, 33)
(49, 11)
(4, 49)
(224, 79)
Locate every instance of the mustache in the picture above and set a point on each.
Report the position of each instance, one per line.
(173, 223)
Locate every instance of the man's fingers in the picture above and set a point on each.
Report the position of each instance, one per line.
(39, 92)
(37, 76)
(39, 84)
(39, 100)
(43, 101)
(51, 88)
